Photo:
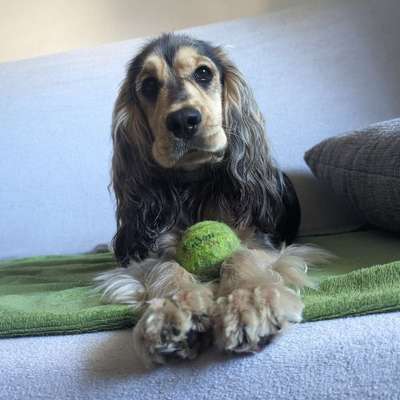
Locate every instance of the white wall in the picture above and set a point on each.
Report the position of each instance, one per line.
(30, 28)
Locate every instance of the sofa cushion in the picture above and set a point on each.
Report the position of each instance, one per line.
(364, 166)
(337, 359)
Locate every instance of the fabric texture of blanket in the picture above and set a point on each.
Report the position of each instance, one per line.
(53, 294)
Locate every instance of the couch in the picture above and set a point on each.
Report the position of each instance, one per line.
(317, 68)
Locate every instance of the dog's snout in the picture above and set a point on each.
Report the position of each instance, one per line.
(184, 123)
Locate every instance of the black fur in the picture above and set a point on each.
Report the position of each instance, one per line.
(168, 202)
(245, 188)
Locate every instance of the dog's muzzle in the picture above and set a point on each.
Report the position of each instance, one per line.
(184, 123)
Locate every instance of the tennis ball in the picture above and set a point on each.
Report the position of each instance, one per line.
(204, 246)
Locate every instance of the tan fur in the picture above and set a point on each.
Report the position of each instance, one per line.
(258, 293)
(186, 60)
(212, 136)
(176, 305)
(256, 298)
(154, 65)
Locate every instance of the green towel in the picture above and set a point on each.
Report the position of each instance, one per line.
(364, 291)
(356, 250)
(52, 295)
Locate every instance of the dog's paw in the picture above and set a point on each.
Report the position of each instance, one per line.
(174, 328)
(246, 320)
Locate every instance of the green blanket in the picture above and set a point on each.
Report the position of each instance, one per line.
(52, 295)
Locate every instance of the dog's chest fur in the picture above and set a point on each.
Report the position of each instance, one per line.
(200, 191)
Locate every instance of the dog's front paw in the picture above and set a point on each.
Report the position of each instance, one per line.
(174, 328)
(247, 319)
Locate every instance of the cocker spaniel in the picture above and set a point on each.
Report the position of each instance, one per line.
(189, 145)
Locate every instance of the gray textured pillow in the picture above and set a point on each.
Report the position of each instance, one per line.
(364, 166)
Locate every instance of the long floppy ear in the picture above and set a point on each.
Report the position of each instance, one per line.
(259, 187)
(141, 198)
(131, 141)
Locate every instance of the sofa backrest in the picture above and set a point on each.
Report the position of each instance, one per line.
(317, 69)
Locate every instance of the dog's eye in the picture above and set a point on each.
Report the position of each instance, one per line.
(150, 87)
(203, 75)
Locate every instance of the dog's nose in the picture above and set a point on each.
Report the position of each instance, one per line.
(184, 122)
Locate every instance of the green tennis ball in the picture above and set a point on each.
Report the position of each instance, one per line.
(204, 246)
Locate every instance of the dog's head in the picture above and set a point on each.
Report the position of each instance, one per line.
(177, 84)
(176, 104)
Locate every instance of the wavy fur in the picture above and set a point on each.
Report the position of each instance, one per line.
(259, 288)
(245, 189)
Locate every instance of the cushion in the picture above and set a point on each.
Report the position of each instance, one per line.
(364, 166)
(313, 361)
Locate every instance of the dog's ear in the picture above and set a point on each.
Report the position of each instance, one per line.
(144, 205)
(243, 121)
(131, 143)
(257, 184)
(240, 110)
(128, 171)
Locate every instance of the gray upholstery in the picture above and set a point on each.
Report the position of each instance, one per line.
(342, 359)
(364, 166)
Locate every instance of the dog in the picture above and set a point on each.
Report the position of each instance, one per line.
(189, 145)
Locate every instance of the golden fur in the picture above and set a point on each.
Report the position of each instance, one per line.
(164, 183)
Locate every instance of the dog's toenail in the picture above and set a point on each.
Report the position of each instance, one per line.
(163, 335)
(265, 340)
(246, 339)
(196, 319)
(175, 331)
(205, 339)
(191, 338)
